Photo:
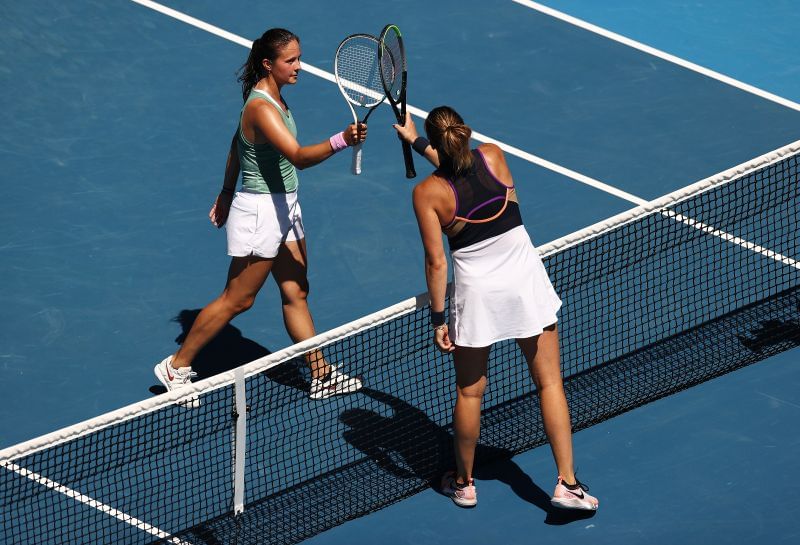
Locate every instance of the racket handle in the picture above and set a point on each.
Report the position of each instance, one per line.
(409, 159)
(356, 167)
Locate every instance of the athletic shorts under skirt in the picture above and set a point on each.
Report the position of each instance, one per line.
(258, 223)
(501, 290)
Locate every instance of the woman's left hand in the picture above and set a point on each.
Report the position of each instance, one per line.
(441, 339)
(219, 210)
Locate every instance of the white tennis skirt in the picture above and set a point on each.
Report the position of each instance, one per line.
(501, 290)
(258, 223)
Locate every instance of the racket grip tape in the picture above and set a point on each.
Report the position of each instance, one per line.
(409, 160)
(356, 166)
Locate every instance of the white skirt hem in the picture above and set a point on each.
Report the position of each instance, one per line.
(501, 291)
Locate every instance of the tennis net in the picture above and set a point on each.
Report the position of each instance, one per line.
(691, 286)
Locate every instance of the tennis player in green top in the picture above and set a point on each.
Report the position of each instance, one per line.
(264, 222)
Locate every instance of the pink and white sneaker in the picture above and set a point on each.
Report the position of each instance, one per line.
(462, 495)
(573, 496)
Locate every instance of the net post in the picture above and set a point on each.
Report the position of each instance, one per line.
(240, 441)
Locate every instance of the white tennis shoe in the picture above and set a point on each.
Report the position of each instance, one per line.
(334, 383)
(175, 379)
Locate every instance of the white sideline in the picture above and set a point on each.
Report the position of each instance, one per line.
(404, 307)
(412, 304)
(422, 114)
(658, 53)
(399, 309)
(511, 150)
(91, 502)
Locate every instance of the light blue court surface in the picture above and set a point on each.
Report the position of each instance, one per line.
(116, 123)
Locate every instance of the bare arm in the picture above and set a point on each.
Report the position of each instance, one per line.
(222, 205)
(269, 123)
(232, 166)
(435, 261)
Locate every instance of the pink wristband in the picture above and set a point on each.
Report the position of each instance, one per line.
(337, 142)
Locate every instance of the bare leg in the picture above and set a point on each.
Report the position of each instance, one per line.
(470, 364)
(541, 353)
(246, 275)
(290, 273)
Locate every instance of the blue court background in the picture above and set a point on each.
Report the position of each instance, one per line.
(116, 122)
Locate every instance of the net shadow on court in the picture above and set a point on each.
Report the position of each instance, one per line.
(691, 286)
(407, 451)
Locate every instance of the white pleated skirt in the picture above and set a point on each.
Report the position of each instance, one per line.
(501, 290)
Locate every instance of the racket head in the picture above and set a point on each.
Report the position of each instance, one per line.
(393, 65)
(356, 67)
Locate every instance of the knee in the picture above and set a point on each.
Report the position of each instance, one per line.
(546, 375)
(472, 391)
(238, 305)
(549, 384)
(295, 293)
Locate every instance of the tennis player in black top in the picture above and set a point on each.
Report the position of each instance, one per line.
(501, 290)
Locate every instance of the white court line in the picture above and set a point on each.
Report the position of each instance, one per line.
(564, 171)
(746, 244)
(91, 502)
(111, 511)
(658, 53)
(422, 114)
(188, 19)
(779, 400)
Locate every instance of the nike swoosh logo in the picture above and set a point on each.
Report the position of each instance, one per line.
(169, 375)
(576, 493)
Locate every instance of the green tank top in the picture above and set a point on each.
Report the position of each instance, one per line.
(264, 169)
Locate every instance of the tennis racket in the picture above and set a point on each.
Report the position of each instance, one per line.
(357, 72)
(393, 77)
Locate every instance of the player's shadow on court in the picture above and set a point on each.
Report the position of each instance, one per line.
(408, 444)
(228, 350)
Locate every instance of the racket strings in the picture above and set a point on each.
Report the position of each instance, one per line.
(358, 72)
(392, 65)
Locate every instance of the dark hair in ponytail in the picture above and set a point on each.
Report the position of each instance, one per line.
(268, 46)
(450, 136)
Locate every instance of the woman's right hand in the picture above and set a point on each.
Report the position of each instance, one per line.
(407, 132)
(220, 209)
(355, 134)
(441, 339)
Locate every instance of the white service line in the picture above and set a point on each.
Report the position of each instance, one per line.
(577, 176)
(189, 20)
(128, 519)
(516, 151)
(91, 502)
(658, 53)
(544, 163)
(422, 114)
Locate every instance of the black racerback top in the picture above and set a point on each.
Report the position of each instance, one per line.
(485, 206)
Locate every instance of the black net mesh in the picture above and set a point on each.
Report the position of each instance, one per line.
(651, 306)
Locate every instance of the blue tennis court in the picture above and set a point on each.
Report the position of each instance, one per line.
(117, 122)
